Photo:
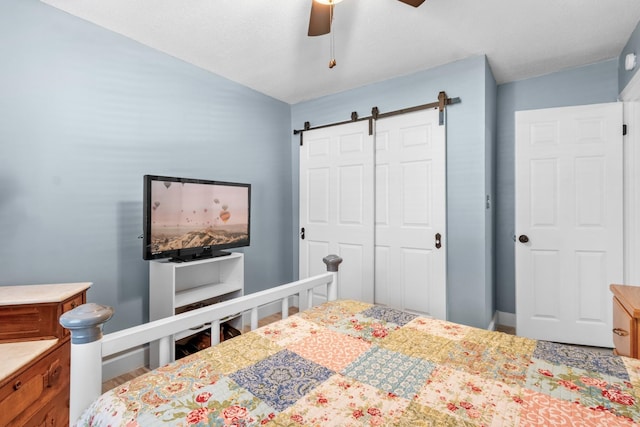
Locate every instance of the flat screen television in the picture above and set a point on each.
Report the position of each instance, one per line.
(188, 219)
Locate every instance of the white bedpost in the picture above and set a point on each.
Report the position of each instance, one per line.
(215, 332)
(164, 350)
(85, 323)
(332, 261)
(309, 293)
(254, 318)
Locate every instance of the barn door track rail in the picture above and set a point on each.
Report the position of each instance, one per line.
(440, 104)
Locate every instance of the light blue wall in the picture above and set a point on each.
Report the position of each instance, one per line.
(466, 168)
(84, 113)
(632, 46)
(589, 84)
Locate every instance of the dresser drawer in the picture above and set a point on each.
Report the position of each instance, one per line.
(36, 321)
(55, 414)
(67, 305)
(28, 322)
(34, 387)
(72, 303)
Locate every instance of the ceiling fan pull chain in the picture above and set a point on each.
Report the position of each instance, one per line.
(332, 54)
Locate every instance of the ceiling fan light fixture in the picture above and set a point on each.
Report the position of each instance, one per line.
(328, 1)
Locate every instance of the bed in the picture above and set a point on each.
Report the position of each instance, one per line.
(349, 363)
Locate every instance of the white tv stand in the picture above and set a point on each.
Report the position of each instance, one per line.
(175, 287)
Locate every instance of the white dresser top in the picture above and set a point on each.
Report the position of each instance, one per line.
(14, 355)
(34, 294)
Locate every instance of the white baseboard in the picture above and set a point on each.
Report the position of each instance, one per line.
(125, 362)
(506, 319)
(494, 322)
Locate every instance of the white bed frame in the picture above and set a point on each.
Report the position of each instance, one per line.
(89, 346)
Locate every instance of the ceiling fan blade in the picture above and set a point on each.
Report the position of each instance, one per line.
(320, 19)
(414, 3)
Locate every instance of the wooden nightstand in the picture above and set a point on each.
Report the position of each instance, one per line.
(626, 320)
(35, 353)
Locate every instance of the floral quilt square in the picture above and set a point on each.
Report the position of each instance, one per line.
(441, 328)
(417, 415)
(330, 349)
(364, 328)
(583, 358)
(542, 410)
(520, 347)
(344, 402)
(391, 371)
(329, 313)
(222, 403)
(153, 382)
(589, 389)
(470, 398)
(420, 344)
(289, 330)
(389, 314)
(239, 352)
(281, 379)
(492, 362)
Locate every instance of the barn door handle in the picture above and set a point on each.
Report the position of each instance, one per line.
(438, 241)
(302, 233)
(523, 238)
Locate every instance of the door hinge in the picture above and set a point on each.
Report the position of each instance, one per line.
(624, 130)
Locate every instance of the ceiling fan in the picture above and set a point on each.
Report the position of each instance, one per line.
(322, 15)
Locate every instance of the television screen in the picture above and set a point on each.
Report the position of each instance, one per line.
(187, 219)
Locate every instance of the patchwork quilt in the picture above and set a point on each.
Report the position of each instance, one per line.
(348, 363)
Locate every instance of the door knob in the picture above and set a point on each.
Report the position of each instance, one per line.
(523, 238)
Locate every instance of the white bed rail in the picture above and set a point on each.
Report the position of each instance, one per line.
(89, 346)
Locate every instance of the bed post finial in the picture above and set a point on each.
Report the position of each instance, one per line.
(85, 323)
(332, 261)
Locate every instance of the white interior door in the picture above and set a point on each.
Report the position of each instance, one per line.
(568, 222)
(337, 207)
(410, 211)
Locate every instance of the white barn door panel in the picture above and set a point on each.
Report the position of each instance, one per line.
(410, 212)
(337, 206)
(400, 260)
(569, 219)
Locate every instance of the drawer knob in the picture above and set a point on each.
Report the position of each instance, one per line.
(620, 332)
(17, 385)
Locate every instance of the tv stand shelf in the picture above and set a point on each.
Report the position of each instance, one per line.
(178, 287)
(210, 290)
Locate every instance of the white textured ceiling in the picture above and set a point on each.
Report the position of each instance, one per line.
(263, 44)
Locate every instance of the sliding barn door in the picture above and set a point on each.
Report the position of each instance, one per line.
(337, 206)
(410, 182)
(568, 222)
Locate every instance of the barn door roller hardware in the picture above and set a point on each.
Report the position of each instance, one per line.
(441, 105)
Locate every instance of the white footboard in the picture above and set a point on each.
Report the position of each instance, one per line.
(89, 346)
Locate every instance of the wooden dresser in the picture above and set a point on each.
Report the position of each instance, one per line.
(35, 353)
(626, 320)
